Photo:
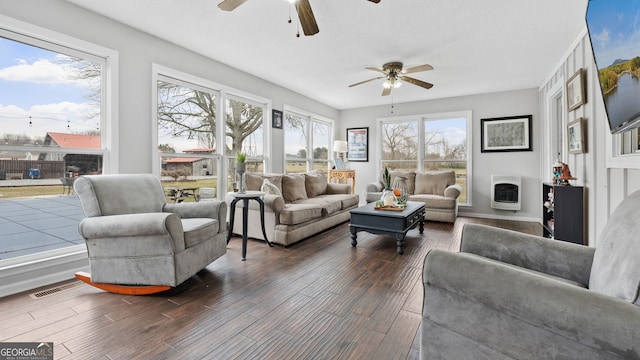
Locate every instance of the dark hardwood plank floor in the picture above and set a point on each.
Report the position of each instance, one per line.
(318, 299)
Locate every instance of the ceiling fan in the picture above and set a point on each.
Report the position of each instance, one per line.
(393, 73)
(303, 7)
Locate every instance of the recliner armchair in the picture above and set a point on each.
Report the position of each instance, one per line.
(509, 295)
(134, 237)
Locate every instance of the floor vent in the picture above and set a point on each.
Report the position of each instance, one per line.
(55, 290)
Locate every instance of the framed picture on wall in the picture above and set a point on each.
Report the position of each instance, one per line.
(276, 118)
(506, 134)
(576, 91)
(576, 138)
(358, 144)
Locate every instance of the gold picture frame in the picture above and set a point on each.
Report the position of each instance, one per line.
(576, 94)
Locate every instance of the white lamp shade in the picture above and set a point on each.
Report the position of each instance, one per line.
(340, 146)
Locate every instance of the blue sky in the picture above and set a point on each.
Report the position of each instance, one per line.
(35, 82)
(614, 28)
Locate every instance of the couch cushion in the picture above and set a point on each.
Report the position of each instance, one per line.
(293, 214)
(270, 188)
(293, 187)
(411, 179)
(434, 201)
(616, 261)
(254, 180)
(434, 182)
(315, 183)
(197, 230)
(329, 203)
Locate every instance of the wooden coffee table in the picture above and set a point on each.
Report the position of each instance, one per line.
(387, 222)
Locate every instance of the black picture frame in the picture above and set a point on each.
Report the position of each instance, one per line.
(576, 139)
(276, 119)
(358, 144)
(512, 133)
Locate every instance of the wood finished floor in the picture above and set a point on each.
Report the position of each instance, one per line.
(318, 299)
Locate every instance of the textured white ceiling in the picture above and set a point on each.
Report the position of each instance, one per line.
(475, 46)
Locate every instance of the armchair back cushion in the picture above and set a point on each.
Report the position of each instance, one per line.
(616, 268)
(434, 182)
(101, 196)
(411, 179)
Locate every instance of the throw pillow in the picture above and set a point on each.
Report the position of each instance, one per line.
(315, 183)
(434, 182)
(293, 187)
(411, 179)
(269, 188)
(254, 180)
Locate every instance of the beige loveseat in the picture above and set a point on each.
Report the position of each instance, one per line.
(437, 189)
(307, 206)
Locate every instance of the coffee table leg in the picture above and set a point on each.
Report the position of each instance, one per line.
(245, 221)
(400, 243)
(422, 226)
(354, 236)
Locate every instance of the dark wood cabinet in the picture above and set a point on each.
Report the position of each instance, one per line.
(563, 213)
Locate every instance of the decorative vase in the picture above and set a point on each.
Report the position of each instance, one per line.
(400, 190)
(388, 198)
(240, 170)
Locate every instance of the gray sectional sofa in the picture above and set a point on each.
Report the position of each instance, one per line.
(437, 189)
(307, 205)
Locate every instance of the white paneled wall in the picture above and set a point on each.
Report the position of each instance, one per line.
(607, 181)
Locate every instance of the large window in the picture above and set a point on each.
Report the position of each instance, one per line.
(193, 145)
(57, 115)
(429, 143)
(307, 142)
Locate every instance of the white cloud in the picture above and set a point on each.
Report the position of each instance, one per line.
(602, 38)
(41, 71)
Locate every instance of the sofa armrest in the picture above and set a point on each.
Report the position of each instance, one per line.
(374, 187)
(213, 209)
(336, 188)
(273, 203)
(453, 191)
(558, 258)
(568, 311)
(139, 229)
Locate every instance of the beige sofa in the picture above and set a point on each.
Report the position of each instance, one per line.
(437, 189)
(308, 205)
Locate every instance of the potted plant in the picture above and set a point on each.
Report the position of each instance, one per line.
(240, 162)
(240, 170)
(388, 198)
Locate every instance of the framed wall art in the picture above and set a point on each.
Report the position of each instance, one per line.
(576, 95)
(276, 119)
(506, 134)
(358, 144)
(575, 136)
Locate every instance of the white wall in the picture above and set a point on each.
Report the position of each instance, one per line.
(137, 51)
(608, 180)
(525, 163)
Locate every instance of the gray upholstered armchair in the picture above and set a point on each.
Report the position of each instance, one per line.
(508, 295)
(134, 237)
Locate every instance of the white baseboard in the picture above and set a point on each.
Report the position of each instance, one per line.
(30, 272)
(500, 217)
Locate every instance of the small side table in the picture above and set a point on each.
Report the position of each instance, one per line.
(346, 175)
(245, 197)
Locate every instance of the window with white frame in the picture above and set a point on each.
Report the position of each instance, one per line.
(196, 142)
(56, 121)
(430, 142)
(307, 140)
